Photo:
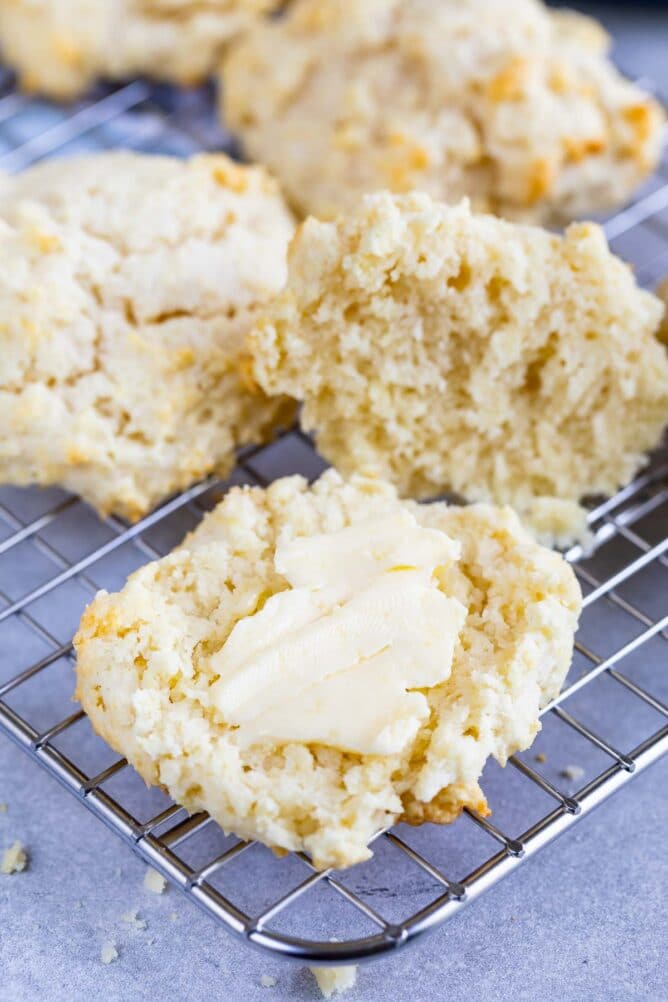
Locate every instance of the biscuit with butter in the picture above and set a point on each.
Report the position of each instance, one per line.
(60, 47)
(313, 664)
(519, 109)
(448, 351)
(128, 285)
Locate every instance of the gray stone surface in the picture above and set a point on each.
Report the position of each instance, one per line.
(586, 919)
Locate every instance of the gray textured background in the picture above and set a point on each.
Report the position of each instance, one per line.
(586, 919)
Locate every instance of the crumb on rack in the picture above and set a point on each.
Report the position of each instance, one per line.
(268, 980)
(541, 757)
(108, 953)
(558, 523)
(334, 980)
(572, 772)
(154, 881)
(132, 919)
(14, 859)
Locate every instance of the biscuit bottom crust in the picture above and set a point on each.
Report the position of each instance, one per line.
(144, 671)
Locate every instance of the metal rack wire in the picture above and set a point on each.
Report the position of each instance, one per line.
(610, 721)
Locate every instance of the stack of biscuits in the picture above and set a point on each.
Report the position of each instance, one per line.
(316, 662)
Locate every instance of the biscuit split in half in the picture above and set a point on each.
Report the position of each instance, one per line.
(447, 351)
(308, 673)
(128, 285)
(60, 47)
(519, 109)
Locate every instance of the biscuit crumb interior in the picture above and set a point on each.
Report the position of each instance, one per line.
(450, 351)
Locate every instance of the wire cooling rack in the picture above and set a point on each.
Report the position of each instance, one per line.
(608, 724)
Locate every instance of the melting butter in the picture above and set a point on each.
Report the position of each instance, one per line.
(337, 658)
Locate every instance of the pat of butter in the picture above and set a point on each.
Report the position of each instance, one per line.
(337, 658)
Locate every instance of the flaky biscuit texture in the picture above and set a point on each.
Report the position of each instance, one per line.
(449, 351)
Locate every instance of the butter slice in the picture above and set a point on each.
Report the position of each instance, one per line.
(337, 658)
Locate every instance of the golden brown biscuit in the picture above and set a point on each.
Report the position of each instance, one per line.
(521, 111)
(128, 285)
(60, 47)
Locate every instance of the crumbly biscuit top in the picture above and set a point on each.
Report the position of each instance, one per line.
(128, 285)
(59, 47)
(523, 113)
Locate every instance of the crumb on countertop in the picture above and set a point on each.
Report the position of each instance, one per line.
(572, 772)
(4, 808)
(541, 757)
(132, 919)
(154, 881)
(108, 953)
(268, 980)
(14, 859)
(173, 916)
(334, 980)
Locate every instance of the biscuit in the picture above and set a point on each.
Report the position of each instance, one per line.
(60, 47)
(448, 351)
(662, 293)
(148, 660)
(524, 113)
(128, 285)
